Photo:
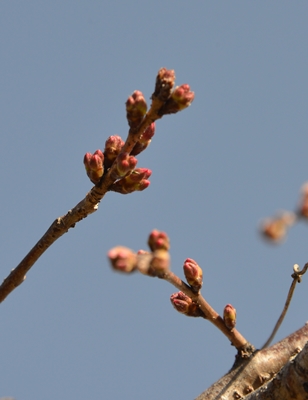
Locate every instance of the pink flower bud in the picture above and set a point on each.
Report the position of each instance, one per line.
(124, 165)
(164, 84)
(122, 259)
(303, 204)
(144, 140)
(184, 304)
(230, 316)
(180, 98)
(158, 240)
(113, 147)
(135, 181)
(94, 165)
(136, 108)
(275, 229)
(193, 274)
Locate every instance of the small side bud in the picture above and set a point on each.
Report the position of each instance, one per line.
(193, 274)
(122, 259)
(94, 165)
(136, 108)
(113, 146)
(184, 305)
(230, 316)
(158, 240)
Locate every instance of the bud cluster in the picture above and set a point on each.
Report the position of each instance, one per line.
(136, 108)
(158, 241)
(137, 180)
(275, 229)
(185, 305)
(113, 146)
(94, 165)
(122, 259)
(144, 140)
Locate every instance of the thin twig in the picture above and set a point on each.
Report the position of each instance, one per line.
(296, 279)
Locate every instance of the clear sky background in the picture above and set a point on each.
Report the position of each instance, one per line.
(75, 329)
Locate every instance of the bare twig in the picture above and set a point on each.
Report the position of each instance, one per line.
(296, 279)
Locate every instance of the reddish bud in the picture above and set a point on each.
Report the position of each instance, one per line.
(275, 229)
(113, 146)
(160, 262)
(193, 274)
(184, 305)
(164, 84)
(230, 316)
(180, 98)
(136, 108)
(158, 240)
(144, 140)
(135, 181)
(303, 203)
(94, 165)
(122, 259)
(124, 165)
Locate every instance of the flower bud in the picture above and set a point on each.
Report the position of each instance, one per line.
(181, 98)
(113, 146)
(275, 229)
(122, 259)
(184, 305)
(94, 165)
(193, 274)
(144, 140)
(164, 84)
(135, 181)
(124, 165)
(136, 108)
(303, 204)
(230, 316)
(158, 240)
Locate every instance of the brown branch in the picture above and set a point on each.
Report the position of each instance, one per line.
(296, 279)
(257, 371)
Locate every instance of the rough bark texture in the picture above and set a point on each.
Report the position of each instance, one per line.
(261, 368)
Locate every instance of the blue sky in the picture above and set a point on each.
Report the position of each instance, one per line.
(75, 329)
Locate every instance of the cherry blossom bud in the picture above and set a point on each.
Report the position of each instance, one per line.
(144, 140)
(184, 305)
(181, 98)
(135, 181)
(94, 165)
(193, 274)
(275, 229)
(124, 165)
(160, 262)
(158, 240)
(164, 84)
(122, 259)
(230, 316)
(113, 146)
(303, 204)
(136, 108)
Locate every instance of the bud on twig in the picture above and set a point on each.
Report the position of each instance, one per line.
(230, 316)
(136, 108)
(184, 305)
(113, 146)
(160, 262)
(124, 165)
(122, 259)
(181, 98)
(144, 140)
(135, 181)
(158, 240)
(94, 165)
(193, 274)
